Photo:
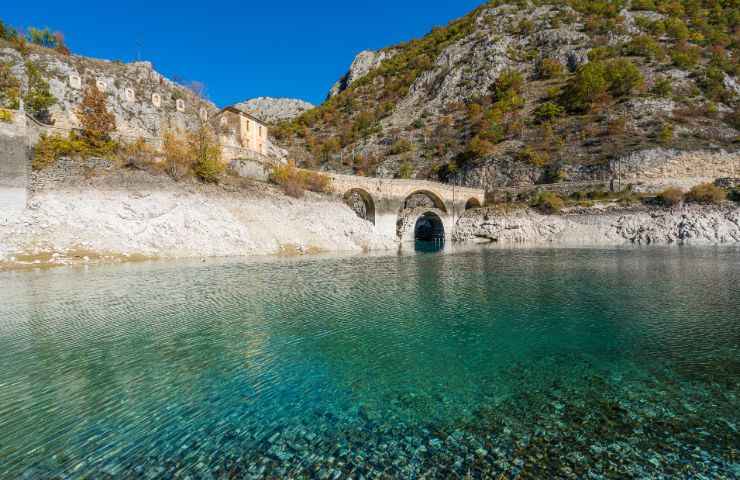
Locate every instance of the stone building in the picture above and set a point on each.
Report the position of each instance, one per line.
(239, 131)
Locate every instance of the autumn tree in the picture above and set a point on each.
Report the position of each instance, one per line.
(206, 154)
(97, 122)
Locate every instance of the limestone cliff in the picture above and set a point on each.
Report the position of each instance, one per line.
(272, 110)
(144, 102)
(363, 63)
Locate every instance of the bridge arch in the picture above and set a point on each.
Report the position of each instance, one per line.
(425, 222)
(429, 227)
(423, 198)
(472, 203)
(362, 203)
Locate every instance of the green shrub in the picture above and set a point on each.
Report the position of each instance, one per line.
(547, 111)
(670, 197)
(637, 5)
(601, 53)
(686, 58)
(209, 169)
(207, 164)
(508, 83)
(644, 46)
(406, 170)
(706, 193)
(401, 145)
(38, 99)
(677, 29)
(594, 80)
(10, 88)
(50, 148)
(8, 33)
(479, 146)
(524, 27)
(662, 87)
(44, 38)
(533, 157)
(713, 85)
(295, 182)
(623, 76)
(548, 202)
(588, 85)
(734, 194)
(548, 68)
(5, 116)
(666, 133)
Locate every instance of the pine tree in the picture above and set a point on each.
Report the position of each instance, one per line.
(38, 98)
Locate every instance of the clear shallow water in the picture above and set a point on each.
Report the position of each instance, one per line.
(528, 363)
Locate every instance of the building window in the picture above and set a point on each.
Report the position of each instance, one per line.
(260, 130)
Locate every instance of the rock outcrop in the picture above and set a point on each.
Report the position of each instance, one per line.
(273, 110)
(696, 225)
(143, 101)
(361, 66)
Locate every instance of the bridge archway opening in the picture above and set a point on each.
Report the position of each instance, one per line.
(429, 233)
(472, 203)
(362, 203)
(423, 198)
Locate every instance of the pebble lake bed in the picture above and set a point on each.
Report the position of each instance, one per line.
(481, 363)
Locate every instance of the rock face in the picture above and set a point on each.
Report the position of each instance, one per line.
(273, 110)
(131, 89)
(698, 225)
(361, 66)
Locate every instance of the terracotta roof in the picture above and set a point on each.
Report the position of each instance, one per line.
(239, 111)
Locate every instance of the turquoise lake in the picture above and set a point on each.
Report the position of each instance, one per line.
(491, 363)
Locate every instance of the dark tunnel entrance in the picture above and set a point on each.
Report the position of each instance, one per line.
(429, 233)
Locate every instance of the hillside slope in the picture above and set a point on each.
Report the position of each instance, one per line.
(534, 92)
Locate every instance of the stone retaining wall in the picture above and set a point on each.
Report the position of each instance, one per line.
(14, 168)
(664, 164)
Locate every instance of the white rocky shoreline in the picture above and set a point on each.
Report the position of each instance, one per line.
(605, 226)
(100, 220)
(134, 215)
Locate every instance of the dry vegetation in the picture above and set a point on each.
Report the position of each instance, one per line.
(295, 181)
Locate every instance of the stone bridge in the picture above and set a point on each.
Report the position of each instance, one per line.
(407, 209)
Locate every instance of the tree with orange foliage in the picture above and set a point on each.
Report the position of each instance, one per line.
(97, 122)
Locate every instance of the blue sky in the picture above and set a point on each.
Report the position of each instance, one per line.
(238, 49)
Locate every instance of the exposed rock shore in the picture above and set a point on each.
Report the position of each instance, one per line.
(128, 215)
(107, 218)
(690, 224)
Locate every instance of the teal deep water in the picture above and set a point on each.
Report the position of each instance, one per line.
(498, 363)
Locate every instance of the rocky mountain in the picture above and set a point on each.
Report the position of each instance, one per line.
(522, 92)
(273, 110)
(364, 62)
